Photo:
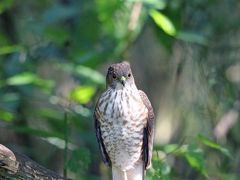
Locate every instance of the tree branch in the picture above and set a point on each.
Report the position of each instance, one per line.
(18, 166)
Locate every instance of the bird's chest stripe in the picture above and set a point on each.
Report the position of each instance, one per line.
(122, 109)
(122, 106)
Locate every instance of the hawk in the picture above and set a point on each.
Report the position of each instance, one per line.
(124, 124)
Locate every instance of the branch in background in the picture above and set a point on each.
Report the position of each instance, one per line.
(226, 122)
(17, 166)
(132, 24)
(136, 11)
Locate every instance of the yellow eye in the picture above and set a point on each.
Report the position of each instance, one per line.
(114, 76)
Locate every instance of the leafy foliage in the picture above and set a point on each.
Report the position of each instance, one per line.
(79, 161)
(193, 154)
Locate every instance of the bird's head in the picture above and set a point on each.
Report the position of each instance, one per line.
(119, 75)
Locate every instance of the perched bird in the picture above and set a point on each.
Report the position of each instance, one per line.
(124, 124)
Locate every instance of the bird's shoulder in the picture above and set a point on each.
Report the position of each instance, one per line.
(145, 100)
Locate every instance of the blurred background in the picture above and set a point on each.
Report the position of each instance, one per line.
(184, 54)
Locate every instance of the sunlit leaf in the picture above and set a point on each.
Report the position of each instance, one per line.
(170, 148)
(208, 142)
(45, 84)
(163, 22)
(84, 72)
(83, 94)
(10, 49)
(21, 79)
(30, 78)
(91, 74)
(6, 116)
(195, 158)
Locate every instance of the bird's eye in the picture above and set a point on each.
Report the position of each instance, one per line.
(129, 75)
(114, 76)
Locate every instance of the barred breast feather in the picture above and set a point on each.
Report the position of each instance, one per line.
(122, 117)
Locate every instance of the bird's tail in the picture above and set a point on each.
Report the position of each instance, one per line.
(137, 173)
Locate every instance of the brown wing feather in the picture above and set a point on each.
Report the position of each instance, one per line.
(102, 149)
(148, 131)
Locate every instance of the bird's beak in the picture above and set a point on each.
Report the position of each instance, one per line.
(123, 80)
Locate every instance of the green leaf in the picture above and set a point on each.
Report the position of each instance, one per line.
(45, 84)
(21, 79)
(10, 49)
(26, 78)
(163, 22)
(194, 157)
(170, 148)
(194, 160)
(214, 145)
(91, 74)
(160, 168)
(5, 4)
(6, 116)
(84, 72)
(208, 142)
(83, 94)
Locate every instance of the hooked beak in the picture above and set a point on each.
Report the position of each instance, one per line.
(123, 80)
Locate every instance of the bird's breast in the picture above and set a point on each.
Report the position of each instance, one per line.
(122, 106)
(123, 117)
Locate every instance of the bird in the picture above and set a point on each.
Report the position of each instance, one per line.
(124, 125)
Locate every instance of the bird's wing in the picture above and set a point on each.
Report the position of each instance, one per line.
(148, 131)
(102, 149)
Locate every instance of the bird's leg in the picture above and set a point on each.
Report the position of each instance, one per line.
(118, 174)
(137, 173)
